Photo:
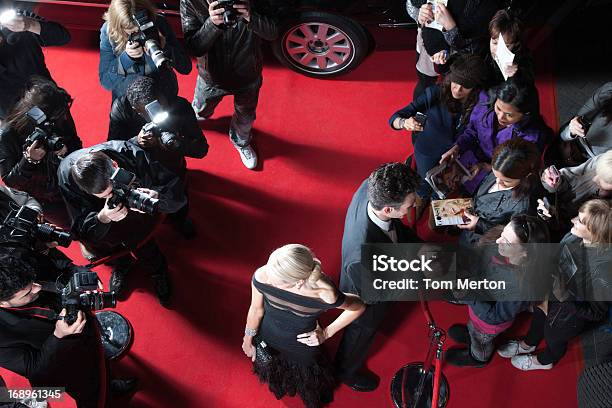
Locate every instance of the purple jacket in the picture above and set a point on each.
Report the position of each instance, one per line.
(477, 141)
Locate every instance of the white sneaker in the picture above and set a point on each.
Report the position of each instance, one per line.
(528, 362)
(248, 156)
(514, 348)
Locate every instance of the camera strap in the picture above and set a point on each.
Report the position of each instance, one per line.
(39, 312)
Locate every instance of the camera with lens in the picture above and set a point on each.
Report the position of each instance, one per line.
(158, 117)
(23, 226)
(125, 192)
(230, 16)
(43, 131)
(147, 37)
(81, 293)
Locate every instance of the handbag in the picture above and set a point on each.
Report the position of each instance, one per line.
(264, 354)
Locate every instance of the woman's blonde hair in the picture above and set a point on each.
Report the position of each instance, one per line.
(119, 18)
(294, 262)
(603, 168)
(598, 220)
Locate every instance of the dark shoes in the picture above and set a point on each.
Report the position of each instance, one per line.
(117, 279)
(459, 333)
(123, 385)
(363, 382)
(162, 285)
(462, 357)
(186, 228)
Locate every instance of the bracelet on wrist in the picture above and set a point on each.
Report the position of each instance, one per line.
(30, 160)
(401, 122)
(250, 332)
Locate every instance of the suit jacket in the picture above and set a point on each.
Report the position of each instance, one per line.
(358, 230)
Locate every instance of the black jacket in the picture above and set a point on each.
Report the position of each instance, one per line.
(497, 208)
(38, 180)
(29, 348)
(21, 60)
(229, 59)
(83, 207)
(125, 124)
(359, 230)
(583, 289)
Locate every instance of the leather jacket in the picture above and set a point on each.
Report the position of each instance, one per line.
(229, 58)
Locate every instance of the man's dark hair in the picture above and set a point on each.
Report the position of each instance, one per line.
(92, 172)
(142, 92)
(15, 274)
(390, 184)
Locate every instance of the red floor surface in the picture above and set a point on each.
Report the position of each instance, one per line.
(318, 140)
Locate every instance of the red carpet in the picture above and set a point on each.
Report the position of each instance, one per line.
(318, 141)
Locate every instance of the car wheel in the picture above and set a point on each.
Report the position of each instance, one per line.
(321, 44)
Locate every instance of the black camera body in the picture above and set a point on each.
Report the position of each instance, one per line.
(124, 192)
(23, 226)
(167, 138)
(43, 131)
(158, 117)
(147, 36)
(230, 16)
(75, 296)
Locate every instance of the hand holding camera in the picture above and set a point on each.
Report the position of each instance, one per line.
(146, 138)
(36, 151)
(112, 214)
(63, 329)
(133, 49)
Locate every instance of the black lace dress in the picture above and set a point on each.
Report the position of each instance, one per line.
(295, 368)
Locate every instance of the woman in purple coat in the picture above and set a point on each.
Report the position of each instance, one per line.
(508, 111)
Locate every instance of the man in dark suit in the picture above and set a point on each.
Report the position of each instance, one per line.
(374, 216)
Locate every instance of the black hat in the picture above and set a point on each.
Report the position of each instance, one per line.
(469, 71)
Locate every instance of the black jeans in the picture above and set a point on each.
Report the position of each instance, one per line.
(557, 336)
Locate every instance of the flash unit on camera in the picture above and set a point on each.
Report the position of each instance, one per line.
(156, 113)
(7, 16)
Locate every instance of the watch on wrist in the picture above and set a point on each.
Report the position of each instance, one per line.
(402, 122)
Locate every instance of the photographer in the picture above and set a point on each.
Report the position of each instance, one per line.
(122, 60)
(169, 142)
(30, 153)
(226, 37)
(35, 344)
(105, 227)
(21, 56)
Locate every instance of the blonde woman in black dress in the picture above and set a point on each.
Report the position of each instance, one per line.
(289, 293)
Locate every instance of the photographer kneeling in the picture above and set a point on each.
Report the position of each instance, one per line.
(113, 192)
(38, 132)
(35, 344)
(164, 126)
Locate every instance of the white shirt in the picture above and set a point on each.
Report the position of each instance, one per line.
(386, 226)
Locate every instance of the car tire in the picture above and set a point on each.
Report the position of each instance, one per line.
(300, 45)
